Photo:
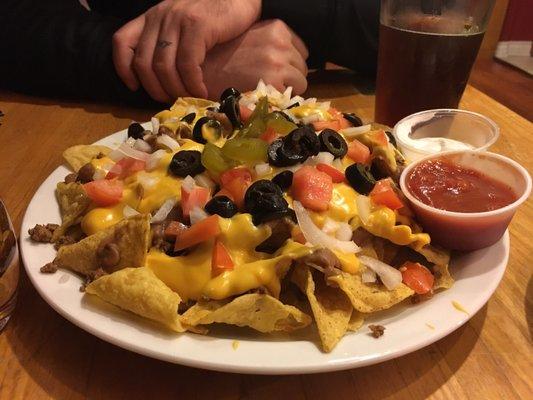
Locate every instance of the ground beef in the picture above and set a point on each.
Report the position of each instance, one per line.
(376, 330)
(70, 178)
(49, 268)
(42, 233)
(92, 276)
(64, 241)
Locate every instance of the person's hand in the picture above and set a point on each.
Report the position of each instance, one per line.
(171, 40)
(270, 50)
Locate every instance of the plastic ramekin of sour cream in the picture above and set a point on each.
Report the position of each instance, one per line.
(435, 131)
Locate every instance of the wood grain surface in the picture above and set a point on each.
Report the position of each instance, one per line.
(44, 356)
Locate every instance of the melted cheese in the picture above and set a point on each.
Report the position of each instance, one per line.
(306, 110)
(190, 275)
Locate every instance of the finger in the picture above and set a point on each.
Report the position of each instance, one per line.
(191, 56)
(299, 44)
(293, 77)
(164, 62)
(296, 60)
(142, 61)
(124, 42)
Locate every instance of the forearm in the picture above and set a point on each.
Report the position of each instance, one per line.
(341, 31)
(57, 48)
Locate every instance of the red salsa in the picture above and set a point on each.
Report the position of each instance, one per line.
(441, 184)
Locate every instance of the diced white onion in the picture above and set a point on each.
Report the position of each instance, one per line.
(324, 157)
(311, 118)
(197, 214)
(116, 155)
(315, 236)
(355, 130)
(344, 232)
(131, 152)
(99, 174)
(368, 276)
(163, 211)
(390, 276)
(262, 169)
(167, 141)
(155, 125)
(205, 181)
(129, 211)
(363, 208)
(141, 145)
(188, 184)
(146, 181)
(337, 164)
(153, 160)
(330, 226)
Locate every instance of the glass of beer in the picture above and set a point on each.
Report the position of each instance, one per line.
(426, 51)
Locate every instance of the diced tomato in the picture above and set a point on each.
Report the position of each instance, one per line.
(125, 167)
(231, 174)
(174, 228)
(200, 232)
(379, 137)
(312, 188)
(332, 124)
(236, 181)
(417, 277)
(245, 113)
(221, 260)
(197, 197)
(224, 192)
(237, 189)
(358, 152)
(104, 192)
(269, 135)
(383, 194)
(336, 175)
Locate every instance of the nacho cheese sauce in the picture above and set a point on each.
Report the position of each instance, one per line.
(447, 186)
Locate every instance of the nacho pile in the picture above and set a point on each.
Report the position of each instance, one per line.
(265, 211)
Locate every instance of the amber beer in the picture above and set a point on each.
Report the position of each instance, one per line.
(421, 70)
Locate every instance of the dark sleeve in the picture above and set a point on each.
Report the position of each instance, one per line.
(344, 32)
(58, 48)
(124, 9)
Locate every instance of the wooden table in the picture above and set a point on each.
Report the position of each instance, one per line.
(44, 356)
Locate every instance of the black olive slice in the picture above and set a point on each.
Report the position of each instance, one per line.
(293, 105)
(391, 137)
(206, 130)
(280, 155)
(283, 180)
(189, 118)
(229, 92)
(221, 205)
(264, 197)
(281, 231)
(230, 107)
(186, 162)
(360, 178)
(333, 143)
(135, 130)
(302, 140)
(353, 119)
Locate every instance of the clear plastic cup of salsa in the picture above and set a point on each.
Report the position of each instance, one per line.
(465, 199)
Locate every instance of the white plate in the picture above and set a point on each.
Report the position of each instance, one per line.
(408, 327)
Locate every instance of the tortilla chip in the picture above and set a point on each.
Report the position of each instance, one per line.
(370, 297)
(78, 156)
(138, 290)
(441, 259)
(331, 308)
(73, 201)
(131, 236)
(356, 321)
(261, 312)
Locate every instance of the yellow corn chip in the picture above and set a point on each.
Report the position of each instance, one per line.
(130, 235)
(138, 290)
(261, 312)
(331, 308)
(369, 297)
(78, 156)
(73, 201)
(356, 321)
(441, 259)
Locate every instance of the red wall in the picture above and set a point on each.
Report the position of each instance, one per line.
(518, 23)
